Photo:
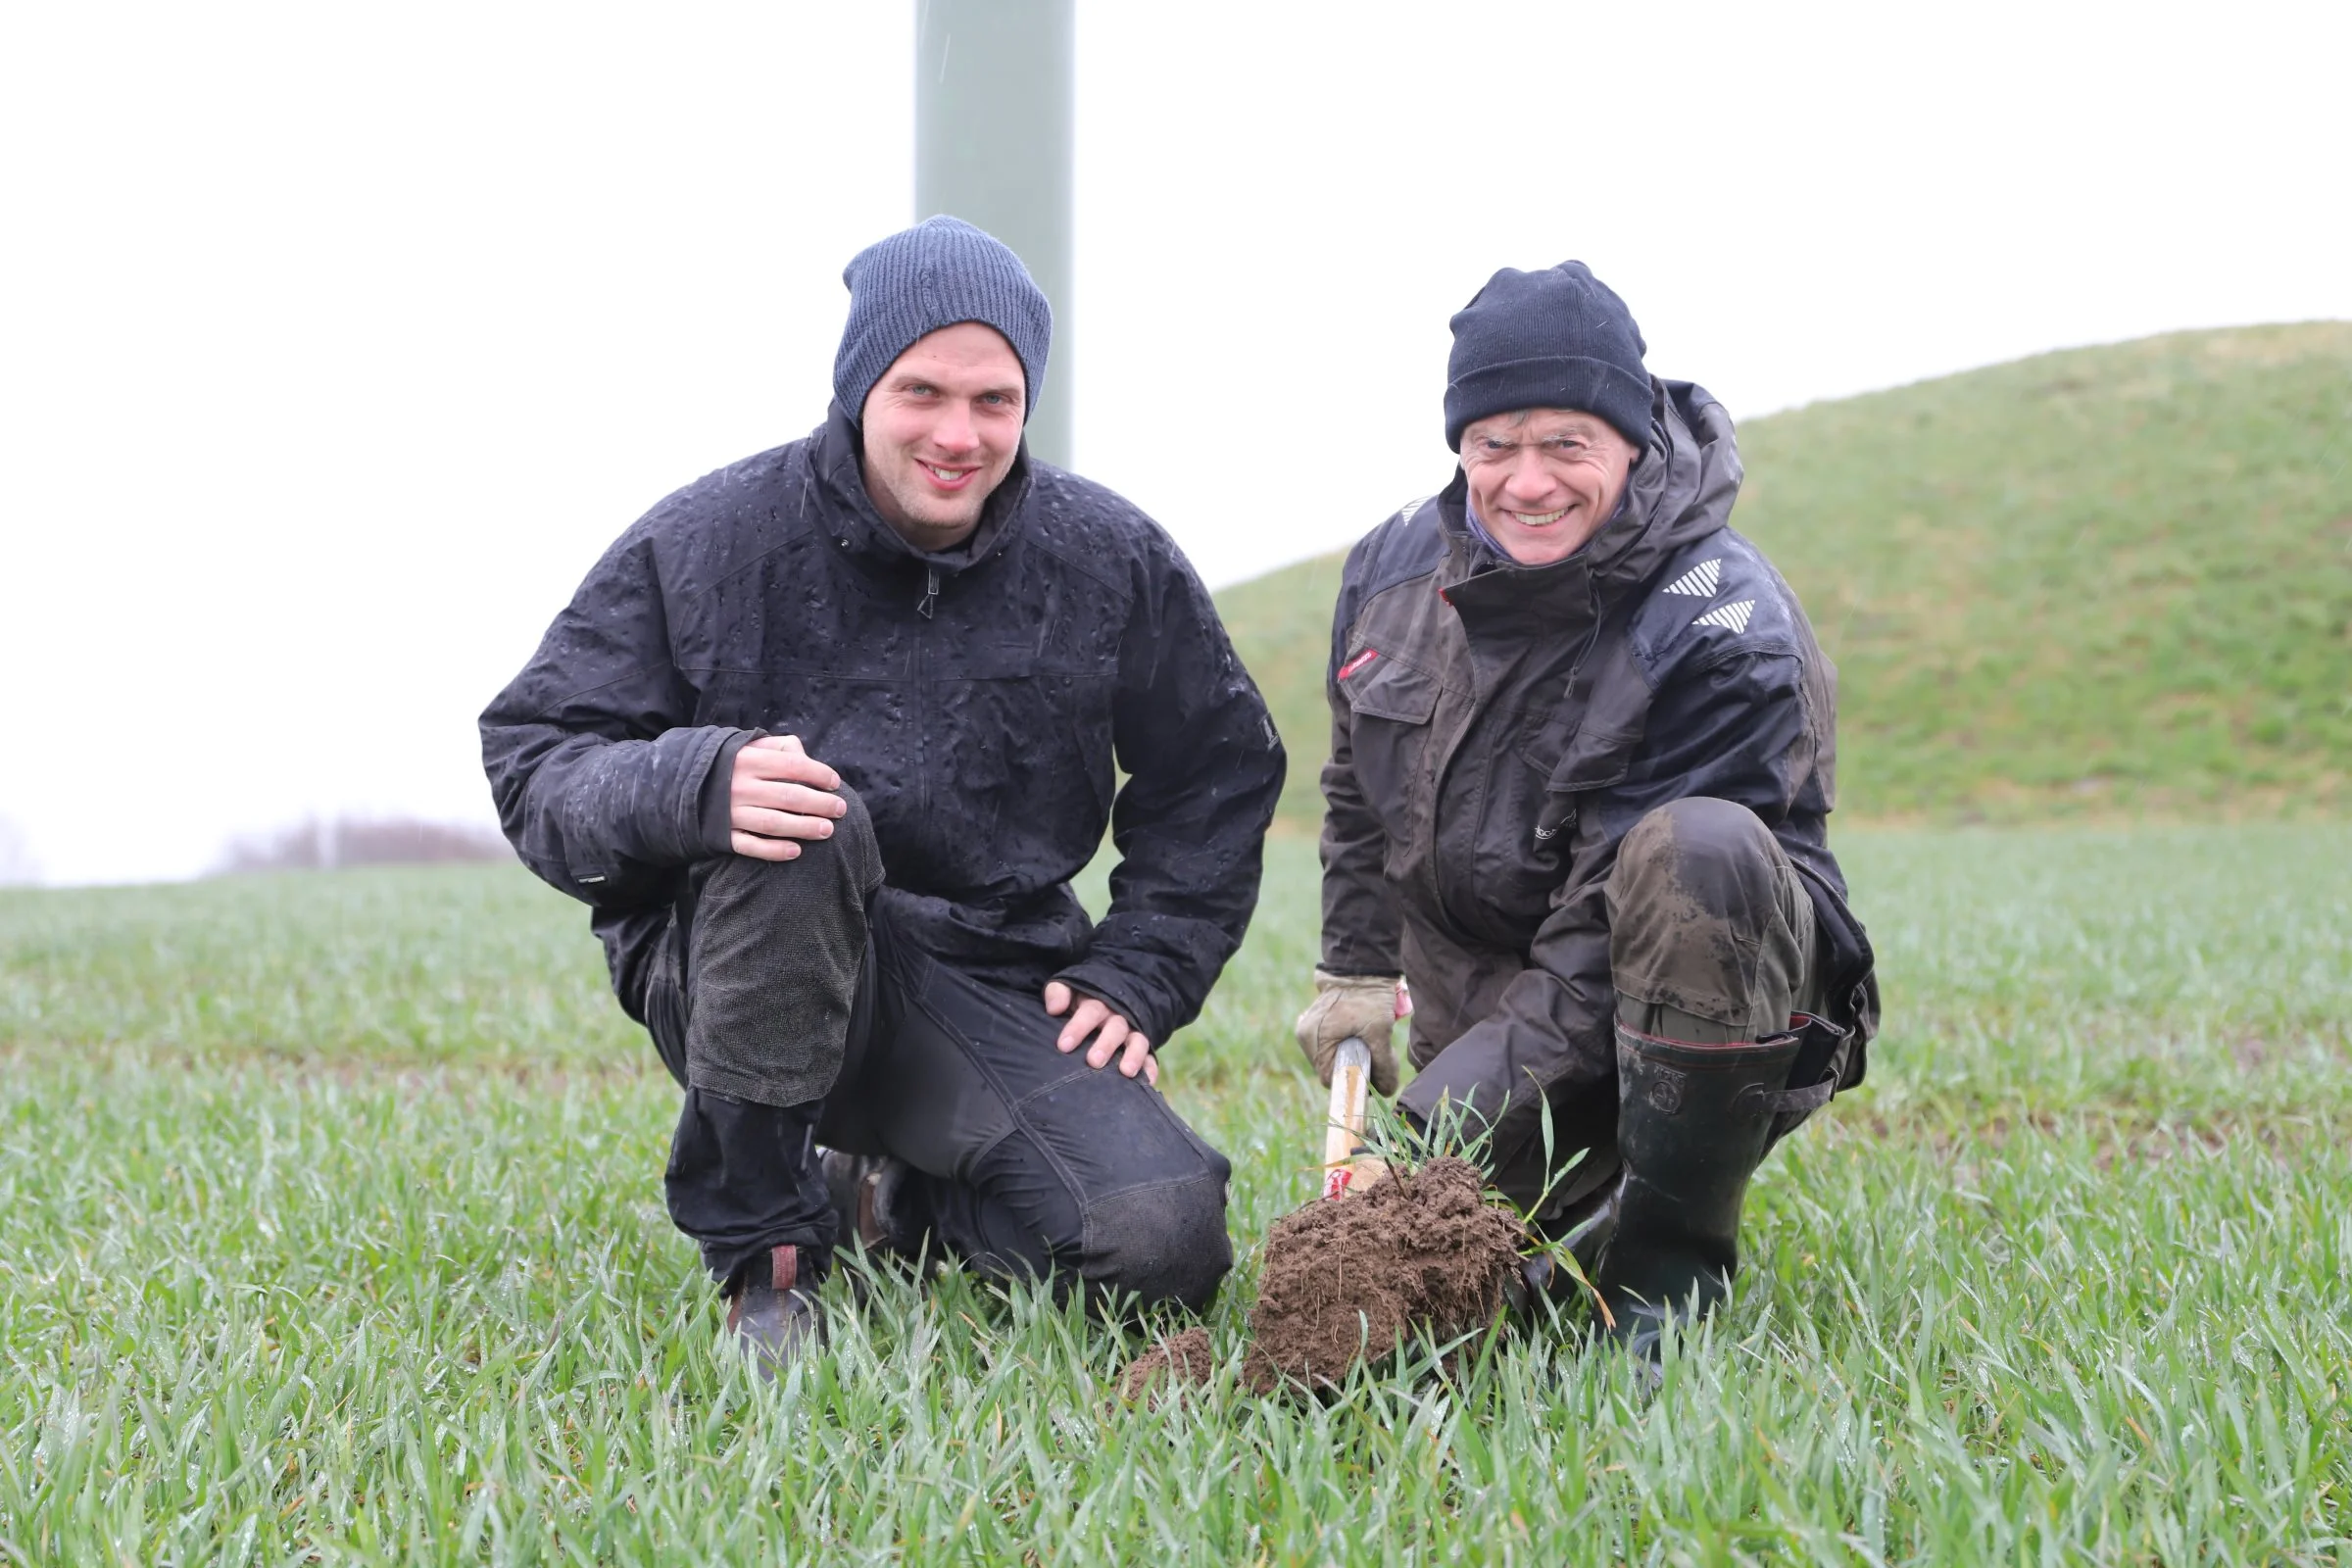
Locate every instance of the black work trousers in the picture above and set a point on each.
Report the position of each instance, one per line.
(796, 1012)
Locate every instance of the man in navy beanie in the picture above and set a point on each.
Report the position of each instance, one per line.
(822, 740)
(1582, 756)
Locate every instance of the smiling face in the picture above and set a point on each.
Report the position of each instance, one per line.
(940, 429)
(1543, 480)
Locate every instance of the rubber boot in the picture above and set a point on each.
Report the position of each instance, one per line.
(1693, 1124)
(1583, 1233)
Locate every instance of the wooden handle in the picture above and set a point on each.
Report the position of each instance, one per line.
(1343, 1126)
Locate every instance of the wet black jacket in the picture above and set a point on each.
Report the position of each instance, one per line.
(977, 702)
(1498, 729)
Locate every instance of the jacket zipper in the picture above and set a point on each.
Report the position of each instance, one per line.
(1437, 860)
(1577, 698)
(919, 703)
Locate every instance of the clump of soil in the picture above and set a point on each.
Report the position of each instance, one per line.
(1177, 1361)
(1347, 1279)
(1424, 1253)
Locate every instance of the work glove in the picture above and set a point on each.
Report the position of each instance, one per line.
(1360, 1005)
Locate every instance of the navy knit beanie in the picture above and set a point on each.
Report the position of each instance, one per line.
(1556, 340)
(941, 272)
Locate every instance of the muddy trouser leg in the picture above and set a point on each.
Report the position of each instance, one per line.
(1027, 1163)
(1713, 953)
(756, 1016)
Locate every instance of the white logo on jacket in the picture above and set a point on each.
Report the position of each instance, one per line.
(1700, 581)
(1730, 617)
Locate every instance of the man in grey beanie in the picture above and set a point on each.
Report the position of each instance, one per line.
(822, 741)
(1623, 933)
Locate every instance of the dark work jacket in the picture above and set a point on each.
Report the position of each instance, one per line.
(979, 702)
(1497, 729)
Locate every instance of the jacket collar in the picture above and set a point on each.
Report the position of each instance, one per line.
(874, 544)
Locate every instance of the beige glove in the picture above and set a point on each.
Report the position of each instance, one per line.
(1363, 1005)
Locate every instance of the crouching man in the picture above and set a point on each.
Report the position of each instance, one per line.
(822, 741)
(1582, 748)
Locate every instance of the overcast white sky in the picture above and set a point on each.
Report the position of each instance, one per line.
(336, 341)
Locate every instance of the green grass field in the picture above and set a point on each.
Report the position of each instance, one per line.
(2099, 584)
(331, 1231)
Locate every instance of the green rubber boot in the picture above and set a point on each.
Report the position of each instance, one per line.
(1693, 1124)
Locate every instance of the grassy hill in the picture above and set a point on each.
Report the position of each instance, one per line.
(2107, 580)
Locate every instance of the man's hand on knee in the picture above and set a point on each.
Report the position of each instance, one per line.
(780, 794)
(1112, 1034)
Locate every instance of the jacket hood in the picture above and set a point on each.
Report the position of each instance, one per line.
(835, 455)
(1681, 491)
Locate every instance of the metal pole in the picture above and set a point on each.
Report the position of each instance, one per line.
(993, 90)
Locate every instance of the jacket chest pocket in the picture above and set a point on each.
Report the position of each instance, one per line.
(1392, 704)
(1505, 835)
(1593, 758)
(1536, 793)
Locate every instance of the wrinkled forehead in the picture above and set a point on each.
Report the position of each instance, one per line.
(1537, 424)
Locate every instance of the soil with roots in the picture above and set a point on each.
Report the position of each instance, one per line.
(1180, 1360)
(1423, 1256)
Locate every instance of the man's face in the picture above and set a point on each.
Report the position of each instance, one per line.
(942, 427)
(1543, 480)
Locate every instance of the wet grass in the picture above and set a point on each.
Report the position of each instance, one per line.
(330, 1230)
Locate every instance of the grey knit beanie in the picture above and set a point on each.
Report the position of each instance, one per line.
(1557, 339)
(941, 272)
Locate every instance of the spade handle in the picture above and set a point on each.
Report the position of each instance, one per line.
(1343, 1126)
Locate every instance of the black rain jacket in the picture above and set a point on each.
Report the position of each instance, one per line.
(1498, 729)
(977, 700)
